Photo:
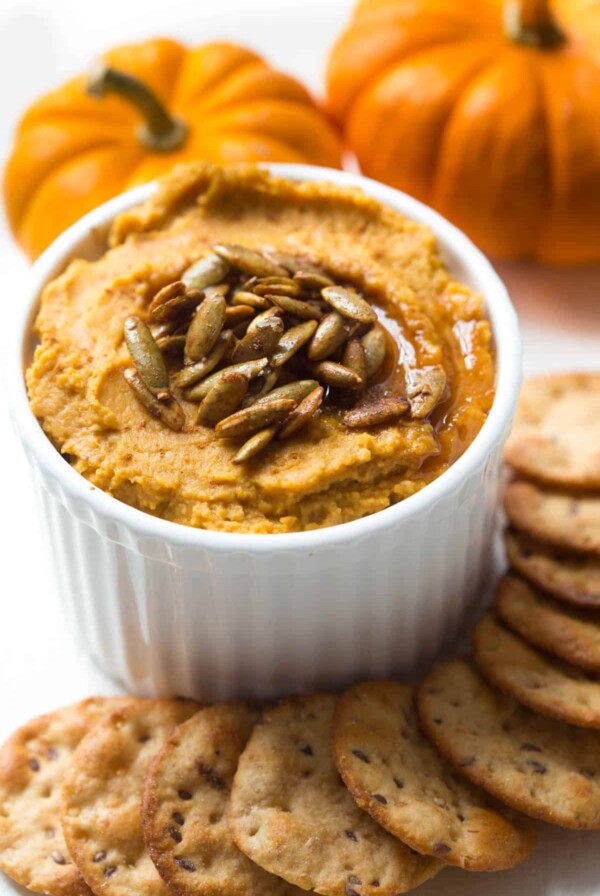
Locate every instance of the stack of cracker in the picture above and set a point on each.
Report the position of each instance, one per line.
(543, 646)
(519, 719)
(340, 795)
(553, 503)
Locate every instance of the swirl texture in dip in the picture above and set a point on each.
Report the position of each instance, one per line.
(327, 473)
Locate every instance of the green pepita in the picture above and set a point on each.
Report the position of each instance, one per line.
(259, 342)
(168, 411)
(249, 261)
(292, 341)
(349, 304)
(193, 373)
(207, 271)
(147, 357)
(377, 412)
(249, 369)
(205, 327)
(255, 445)
(259, 416)
(336, 375)
(374, 345)
(330, 334)
(302, 413)
(223, 399)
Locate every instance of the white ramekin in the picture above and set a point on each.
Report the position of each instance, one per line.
(169, 609)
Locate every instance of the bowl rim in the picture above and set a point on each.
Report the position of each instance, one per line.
(499, 310)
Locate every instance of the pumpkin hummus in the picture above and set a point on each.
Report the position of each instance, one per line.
(327, 473)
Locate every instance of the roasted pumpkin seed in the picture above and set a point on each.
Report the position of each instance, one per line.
(175, 307)
(165, 294)
(249, 369)
(223, 288)
(207, 271)
(235, 314)
(349, 303)
(296, 307)
(147, 357)
(180, 307)
(297, 390)
(195, 372)
(260, 342)
(425, 389)
(276, 281)
(336, 375)
(205, 327)
(255, 445)
(277, 286)
(245, 297)
(377, 411)
(279, 289)
(374, 345)
(258, 321)
(312, 281)
(249, 261)
(262, 386)
(168, 411)
(302, 413)
(259, 416)
(354, 358)
(223, 399)
(292, 341)
(330, 334)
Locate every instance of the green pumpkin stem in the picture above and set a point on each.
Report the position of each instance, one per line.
(160, 131)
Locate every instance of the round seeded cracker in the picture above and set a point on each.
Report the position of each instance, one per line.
(566, 632)
(556, 435)
(394, 774)
(185, 804)
(101, 801)
(292, 815)
(568, 577)
(537, 680)
(33, 762)
(539, 766)
(567, 522)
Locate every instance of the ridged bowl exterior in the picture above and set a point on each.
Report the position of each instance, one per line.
(169, 621)
(171, 610)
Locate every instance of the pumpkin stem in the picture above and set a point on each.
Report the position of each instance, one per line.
(160, 131)
(531, 22)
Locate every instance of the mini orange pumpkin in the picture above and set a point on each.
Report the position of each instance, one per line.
(163, 104)
(487, 110)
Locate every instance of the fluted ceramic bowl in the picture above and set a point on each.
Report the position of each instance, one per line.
(168, 609)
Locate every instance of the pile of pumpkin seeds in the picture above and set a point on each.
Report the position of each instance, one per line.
(257, 340)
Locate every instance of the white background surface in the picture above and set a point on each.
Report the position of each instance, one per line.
(41, 43)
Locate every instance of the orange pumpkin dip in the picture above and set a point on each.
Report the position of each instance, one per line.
(327, 473)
